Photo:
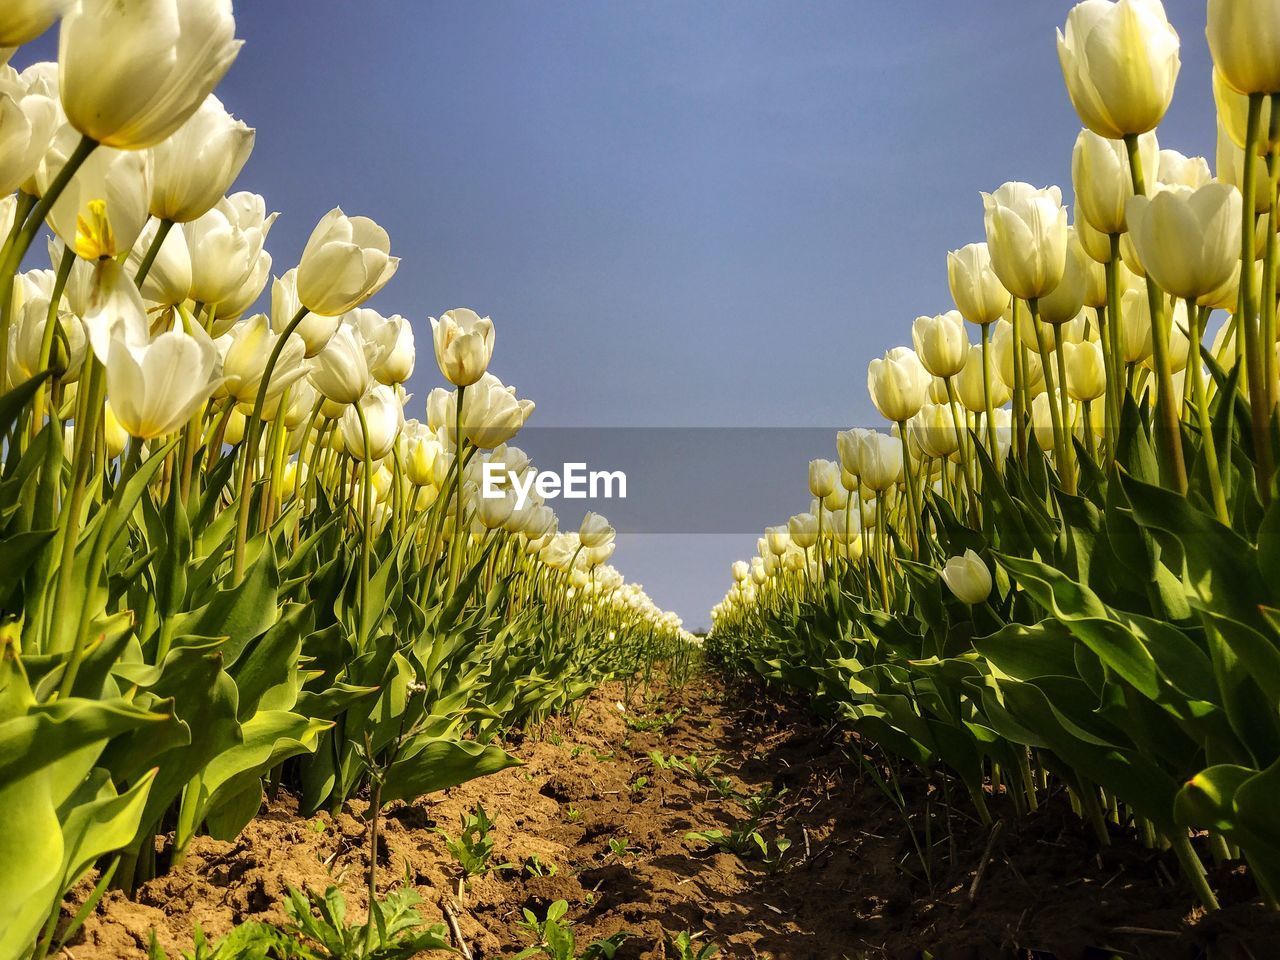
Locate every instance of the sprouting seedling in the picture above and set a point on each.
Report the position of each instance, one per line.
(573, 814)
(554, 939)
(535, 867)
(620, 847)
(473, 848)
(682, 945)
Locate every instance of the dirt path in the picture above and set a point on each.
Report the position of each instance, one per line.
(852, 883)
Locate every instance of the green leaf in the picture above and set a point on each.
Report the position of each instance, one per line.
(439, 764)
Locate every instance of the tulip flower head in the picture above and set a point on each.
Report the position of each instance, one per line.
(156, 388)
(192, 169)
(1244, 38)
(1120, 62)
(968, 578)
(1187, 240)
(941, 343)
(975, 288)
(132, 72)
(898, 383)
(346, 261)
(464, 345)
(1027, 235)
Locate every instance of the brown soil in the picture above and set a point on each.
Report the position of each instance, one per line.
(852, 884)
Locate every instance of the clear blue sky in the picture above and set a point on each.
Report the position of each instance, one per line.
(678, 212)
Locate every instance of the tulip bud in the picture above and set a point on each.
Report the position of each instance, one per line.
(933, 429)
(969, 385)
(392, 339)
(315, 329)
(1086, 371)
(192, 169)
(1188, 241)
(779, 539)
(341, 370)
(133, 73)
(803, 528)
(1244, 38)
(168, 281)
(1120, 62)
(1100, 176)
(1027, 235)
(740, 570)
(463, 344)
(1042, 421)
(1177, 169)
(383, 416)
(28, 119)
(968, 578)
(245, 351)
(975, 288)
(1233, 117)
(1064, 302)
(824, 476)
(941, 343)
(346, 261)
(225, 245)
(898, 384)
(595, 531)
(881, 461)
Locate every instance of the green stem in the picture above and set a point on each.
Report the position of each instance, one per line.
(144, 268)
(249, 450)
(1168, 408)
(1201, 398)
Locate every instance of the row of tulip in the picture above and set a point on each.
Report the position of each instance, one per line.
(228, 556)
(1057, 566)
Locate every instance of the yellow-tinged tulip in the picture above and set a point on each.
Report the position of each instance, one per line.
(392, 338)
(168, 281)
(133, 71)
(464, 345)
(1095, 243)
(1233, 116)
(28, 119)
(1244, 38)
(1027, 235)
(420, 451)
(968, 578)
(969, 388)
(23, 20)
(1064, 301)
(1177, 169)
(1086, 371)
(934, 430)
(804, 530)
(155, 389)
(346, 261)
(1188, 241)
(898, 384)
(116, 436)
(315, 329)
(1229, 159)
(1042, 414)
(1120, 62)
(1002, 348)
(225, 245)
(595, 531)
(881, 461)
(383, 416)
(740, 570)
(941, 343)
(244, 358)
(824, 478)
(975, 288)
(341, 370)
(779, 539)
(192, 169)
(1100, 177)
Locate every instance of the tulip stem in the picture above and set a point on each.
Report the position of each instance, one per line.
(1168, 409)
(1269, 258)
(366, 511)
(986, 389)
(1019, 384)
(1051, 393)
(913, 502)
(1195, 372)
(252, 436)
(1068, 446)
(51, 325)
(456, 564)
(20, 241)
(1115, 337)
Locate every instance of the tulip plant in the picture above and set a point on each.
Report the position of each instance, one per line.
(1058, 567)
(228, 558)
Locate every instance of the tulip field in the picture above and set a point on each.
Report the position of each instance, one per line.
(1057, 568)
(246, 579)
